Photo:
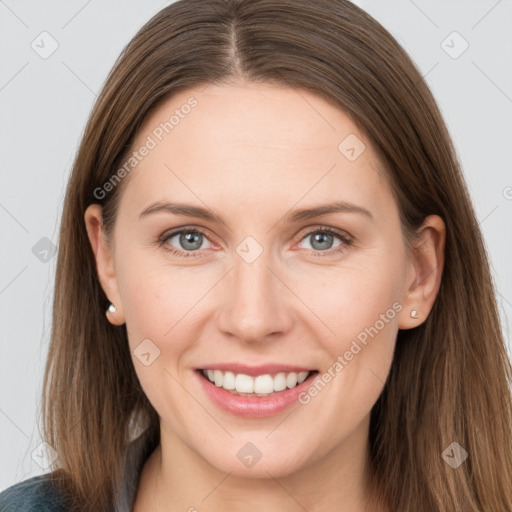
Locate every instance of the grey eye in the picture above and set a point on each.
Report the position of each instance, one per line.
(188, 240)
(321, 241)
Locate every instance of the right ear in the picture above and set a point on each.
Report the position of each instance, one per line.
(103, 256)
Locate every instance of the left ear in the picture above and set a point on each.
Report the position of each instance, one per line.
(424, 273)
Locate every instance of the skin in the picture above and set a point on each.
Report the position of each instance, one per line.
(252, 153)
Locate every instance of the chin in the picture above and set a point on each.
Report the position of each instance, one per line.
(247, 461)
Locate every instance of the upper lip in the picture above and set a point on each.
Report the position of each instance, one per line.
(256, 370)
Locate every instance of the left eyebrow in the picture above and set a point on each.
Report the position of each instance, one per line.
(325, 209)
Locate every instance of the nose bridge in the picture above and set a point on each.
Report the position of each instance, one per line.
(256, 303)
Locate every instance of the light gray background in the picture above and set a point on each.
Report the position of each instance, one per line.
(45, 103)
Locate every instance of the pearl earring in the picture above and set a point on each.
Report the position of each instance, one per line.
(414, 314)
(111, 309)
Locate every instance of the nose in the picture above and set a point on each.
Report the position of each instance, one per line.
(257, 306)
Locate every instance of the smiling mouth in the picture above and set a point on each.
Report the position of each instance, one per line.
(259, 386)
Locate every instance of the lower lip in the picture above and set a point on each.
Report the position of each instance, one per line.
(253, 407)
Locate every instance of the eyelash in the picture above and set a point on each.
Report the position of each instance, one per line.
(346, 241)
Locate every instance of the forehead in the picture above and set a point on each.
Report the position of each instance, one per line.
(257, 116)
(253, 143)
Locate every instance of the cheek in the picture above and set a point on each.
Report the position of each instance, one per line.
(352, 298)
(159, 305)
(360, 306)
(159, 302)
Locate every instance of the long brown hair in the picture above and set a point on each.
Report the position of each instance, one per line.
(449, 381)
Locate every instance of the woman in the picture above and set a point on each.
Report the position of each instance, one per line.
(272, 291)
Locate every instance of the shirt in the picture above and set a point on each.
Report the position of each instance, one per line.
(37, 495)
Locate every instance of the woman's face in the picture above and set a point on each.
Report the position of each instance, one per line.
(254, 284)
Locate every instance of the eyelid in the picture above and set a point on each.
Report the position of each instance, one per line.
(315, 228)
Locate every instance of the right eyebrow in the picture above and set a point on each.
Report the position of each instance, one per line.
(182, 209)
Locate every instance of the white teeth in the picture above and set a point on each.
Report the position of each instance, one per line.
(229, 380)
(244, 383)
(291, 380)
(280, 382)
(218, 377)
(263, 384)
(302, 377)
(260, 385)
